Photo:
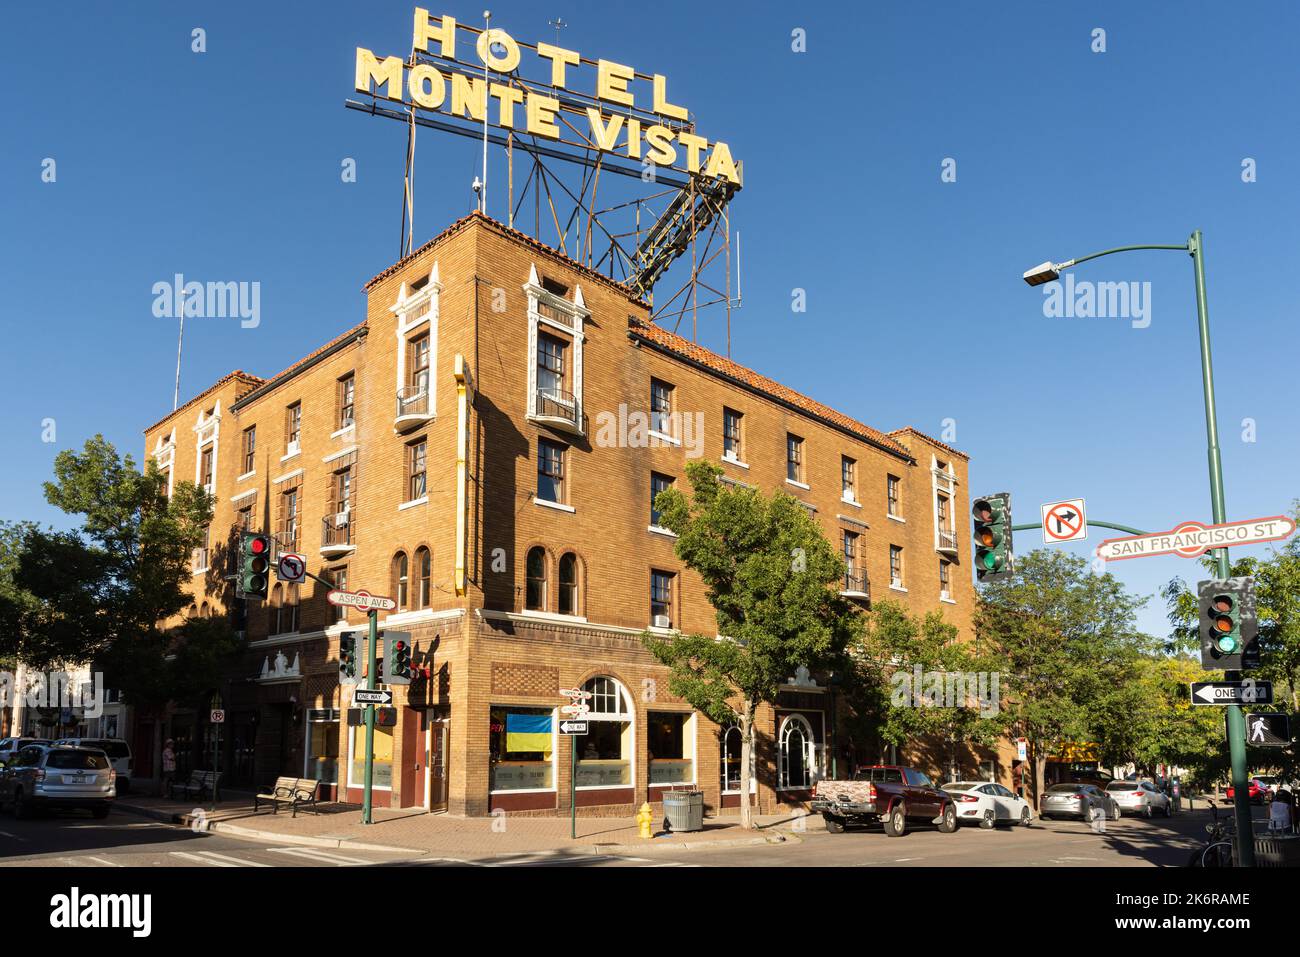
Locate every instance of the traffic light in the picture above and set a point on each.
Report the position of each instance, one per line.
(994, 558)
(349, 655)
(254, 565)
(1227, 624)
(397, 658)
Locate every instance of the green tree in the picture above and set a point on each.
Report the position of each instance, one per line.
(1069, 645)
(102, 591)
(771, 577)
(882, 693)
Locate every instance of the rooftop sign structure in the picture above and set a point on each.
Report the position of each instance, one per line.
(561, 111)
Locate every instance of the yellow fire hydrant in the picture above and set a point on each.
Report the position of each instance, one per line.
(645, 820)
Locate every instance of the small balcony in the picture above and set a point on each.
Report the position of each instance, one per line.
(413, 407)
(947, 541)
(558, 408)
(856, 585)
(336, 534)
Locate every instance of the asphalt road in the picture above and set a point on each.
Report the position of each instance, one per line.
(73, 839)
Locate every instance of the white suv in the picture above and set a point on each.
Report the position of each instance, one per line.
(1139, 797)
(118, 751)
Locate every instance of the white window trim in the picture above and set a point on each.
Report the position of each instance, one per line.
(553, 616)
(736, 462)
(660, 530)
(897, 518)
(577, 314)
(286, 476)
(803, 485)
(690, 742)
(164, 456)
(630, 718)
(339, 454)
(413, 503)
(243, 495)
(894, 587)
(294, 454)
(345, 429)
(209, 425)
(814, 771)
(850, 501)
(943, 482)
(753, 761)
(664, 437)
(246, 476)
(947, 600)
(555, 505)
(408, 302)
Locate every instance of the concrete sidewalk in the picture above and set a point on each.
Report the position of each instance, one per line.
(339, 825)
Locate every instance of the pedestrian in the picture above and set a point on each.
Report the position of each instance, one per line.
(168, 765)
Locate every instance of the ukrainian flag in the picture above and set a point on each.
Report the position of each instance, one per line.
(528, 732)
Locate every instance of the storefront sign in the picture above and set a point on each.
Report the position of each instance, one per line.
(464, 73)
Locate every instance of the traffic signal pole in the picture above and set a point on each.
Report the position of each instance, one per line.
(1236, 720)
(1195, 247)
(372, 665)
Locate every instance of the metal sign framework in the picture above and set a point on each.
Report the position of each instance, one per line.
(633, 239)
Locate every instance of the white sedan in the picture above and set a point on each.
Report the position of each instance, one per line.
(987, 804)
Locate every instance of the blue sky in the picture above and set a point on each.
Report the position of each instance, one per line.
(226, 166)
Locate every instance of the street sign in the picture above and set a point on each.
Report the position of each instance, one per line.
(360, 599)
(291, 568)
(217, 716)
(1022, 749)
(1268, 730)
(575, 693)
(574, 708)
(1192, 539)
(573, 727)
(1232, 692)
(1064, 522)
(362, 696)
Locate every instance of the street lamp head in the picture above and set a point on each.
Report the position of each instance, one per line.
(1043, 272)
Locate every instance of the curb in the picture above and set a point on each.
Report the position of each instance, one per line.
(278, 837)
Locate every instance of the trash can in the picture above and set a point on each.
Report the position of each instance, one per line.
(684, 811)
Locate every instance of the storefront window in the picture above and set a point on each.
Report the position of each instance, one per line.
(796, 766)
(383, 765)
(672, 748)
(323, 745)
(521, 744)
(605, 752)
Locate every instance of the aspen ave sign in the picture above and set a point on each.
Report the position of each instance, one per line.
(591, 104)
(1192, 539)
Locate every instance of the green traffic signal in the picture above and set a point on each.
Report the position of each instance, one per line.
(254, 565)
(992, 536)
(1227, 623)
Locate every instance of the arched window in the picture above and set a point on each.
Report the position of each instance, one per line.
(730, 742)
(204, 612)
(796, 753)
(605, 758)
(535, 593)
(400, 580)
(277, 609)
(423, 566)
(194, 611)
(569, 584)
(291, 608)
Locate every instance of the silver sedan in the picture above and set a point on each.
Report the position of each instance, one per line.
(1077, 800)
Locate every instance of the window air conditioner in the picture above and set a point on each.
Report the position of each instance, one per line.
(663, 621)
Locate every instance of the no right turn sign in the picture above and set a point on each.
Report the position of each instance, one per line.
(1064, 522)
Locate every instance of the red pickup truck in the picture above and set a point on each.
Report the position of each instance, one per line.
(889, 794)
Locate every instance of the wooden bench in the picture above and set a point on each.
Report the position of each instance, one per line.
(295, 792)
(199, 784)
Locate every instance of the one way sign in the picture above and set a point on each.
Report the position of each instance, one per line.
(1232, 692)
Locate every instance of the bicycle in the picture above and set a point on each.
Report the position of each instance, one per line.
(1218, 852)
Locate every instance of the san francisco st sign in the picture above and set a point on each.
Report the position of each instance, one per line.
(1192, 539)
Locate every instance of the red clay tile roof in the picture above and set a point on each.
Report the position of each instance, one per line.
(289, 370)
(931, 439)
(239, 374)
(711, 360)
(509, 233)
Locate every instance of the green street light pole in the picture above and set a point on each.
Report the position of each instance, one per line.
(1195, 246)
(372, 665)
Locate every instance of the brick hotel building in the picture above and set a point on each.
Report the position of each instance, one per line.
(448, 452)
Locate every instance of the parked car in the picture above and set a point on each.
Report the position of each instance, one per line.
(889, 794)
(1259, 792)
(1140, 797)
(986, 804)
(44, 775)
(118, 751)
(11, 746)
(1077, 800)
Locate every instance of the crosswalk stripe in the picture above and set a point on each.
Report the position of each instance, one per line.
(202, 860)
(315, 855)
(100, 860)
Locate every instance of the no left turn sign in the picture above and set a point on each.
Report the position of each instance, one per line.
(1064, 522)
